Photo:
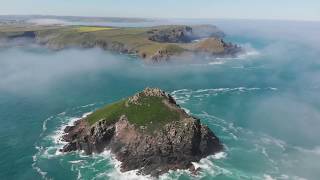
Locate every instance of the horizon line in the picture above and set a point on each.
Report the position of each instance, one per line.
(166, 18)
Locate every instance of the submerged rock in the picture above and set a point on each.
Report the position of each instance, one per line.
(147, 132)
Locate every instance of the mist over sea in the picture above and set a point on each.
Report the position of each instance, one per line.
(264, 105)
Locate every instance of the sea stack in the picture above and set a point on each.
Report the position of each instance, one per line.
(147, 132)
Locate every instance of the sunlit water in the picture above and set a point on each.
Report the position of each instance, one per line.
(264, 106)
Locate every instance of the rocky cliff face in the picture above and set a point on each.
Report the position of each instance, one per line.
(217, 48)
(176, 34)
(173, 145)
(160, 56)
(184, 34)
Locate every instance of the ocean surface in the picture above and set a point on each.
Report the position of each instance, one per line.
(263, 105)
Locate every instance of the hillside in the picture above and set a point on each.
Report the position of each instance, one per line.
(154, 44)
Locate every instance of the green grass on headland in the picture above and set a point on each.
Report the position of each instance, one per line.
(92, 28)
(151, 112)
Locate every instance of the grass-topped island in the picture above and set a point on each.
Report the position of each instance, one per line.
(147, 132)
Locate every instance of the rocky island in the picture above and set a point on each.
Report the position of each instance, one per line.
(147, 132)
(153, 44)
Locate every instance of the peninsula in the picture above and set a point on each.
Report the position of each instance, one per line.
(153, 44)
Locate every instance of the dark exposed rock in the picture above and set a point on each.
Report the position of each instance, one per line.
(160, 56)
(217, 47)
(184, 34)
(26, 34)
(176, 34)
(68, 129)
(173, 146)
(149, 92)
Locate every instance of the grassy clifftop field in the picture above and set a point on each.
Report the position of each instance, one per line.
(150, 109)
(151, 43)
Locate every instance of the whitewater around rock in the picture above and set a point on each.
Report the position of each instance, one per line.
(153, 148)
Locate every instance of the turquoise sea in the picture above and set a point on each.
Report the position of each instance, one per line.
(264, 105)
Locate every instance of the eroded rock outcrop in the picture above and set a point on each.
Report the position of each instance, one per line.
(184, 34)
(217, 47)
(153, 150)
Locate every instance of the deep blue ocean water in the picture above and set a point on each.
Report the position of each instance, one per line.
(264, 105)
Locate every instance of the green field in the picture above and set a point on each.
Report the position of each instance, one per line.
(92, 28)
(151, 112)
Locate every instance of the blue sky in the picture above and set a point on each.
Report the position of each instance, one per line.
(244, 9)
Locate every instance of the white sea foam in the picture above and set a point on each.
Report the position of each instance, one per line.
(79, 175)
(264, 152)
(219, 155)
(180, 90)
(238, 67)
(44, 125)
(272, 88)
(56, 137)
(186, 110)
(39, 171)
(182, 96)
(222, 122)
(208, 166)
(315, 150)
(42, 173)
(270, 140)
(116, 174)
(248, 67)
(216, 62)
(284, 177)
(249, 51)
(88, 105)
(76, 161)
(208, 162)
(62, 113)
(268, 177)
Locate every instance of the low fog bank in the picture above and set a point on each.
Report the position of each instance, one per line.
(303, 32)
(37, 69)
(17, 42)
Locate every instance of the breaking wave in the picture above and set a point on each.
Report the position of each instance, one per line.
(184, 95)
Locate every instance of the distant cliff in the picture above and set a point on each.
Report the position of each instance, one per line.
(154, 44)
